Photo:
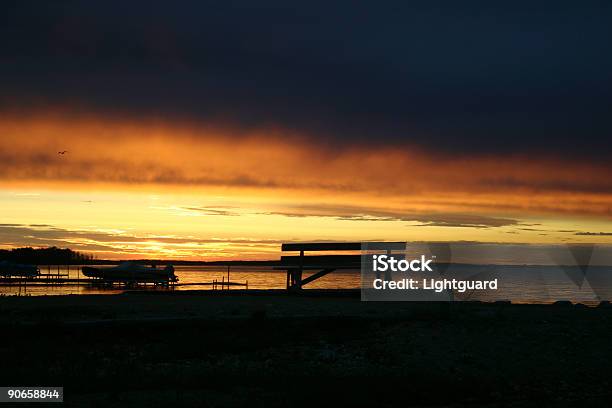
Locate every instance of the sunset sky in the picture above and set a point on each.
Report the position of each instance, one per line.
(219, 131)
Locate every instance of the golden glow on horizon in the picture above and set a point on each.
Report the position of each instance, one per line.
(140, 225)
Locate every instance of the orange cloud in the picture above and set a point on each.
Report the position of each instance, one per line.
(123, 153)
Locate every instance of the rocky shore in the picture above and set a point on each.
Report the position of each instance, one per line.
(277, 350)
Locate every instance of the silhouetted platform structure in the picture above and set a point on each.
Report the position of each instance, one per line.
(295, 265)
(132, 281)
(100, 282)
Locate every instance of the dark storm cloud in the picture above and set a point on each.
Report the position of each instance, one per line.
(451, 76)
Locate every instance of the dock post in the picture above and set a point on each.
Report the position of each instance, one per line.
(298, 279)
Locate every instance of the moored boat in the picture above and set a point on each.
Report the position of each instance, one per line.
(130, 272)
(11, 269)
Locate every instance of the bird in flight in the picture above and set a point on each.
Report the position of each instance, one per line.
(63, 152)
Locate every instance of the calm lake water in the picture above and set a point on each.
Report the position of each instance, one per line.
(520, 284)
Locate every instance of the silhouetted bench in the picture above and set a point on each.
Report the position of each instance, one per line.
(295, 265)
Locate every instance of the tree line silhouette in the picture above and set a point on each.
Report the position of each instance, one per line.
(45, 256)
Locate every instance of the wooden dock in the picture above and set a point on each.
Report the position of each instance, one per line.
(90, 281)
(61, 278)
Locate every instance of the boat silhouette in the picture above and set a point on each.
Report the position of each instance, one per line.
(130, 272)
(12, 269)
